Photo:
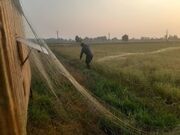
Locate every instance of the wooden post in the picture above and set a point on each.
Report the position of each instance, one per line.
(14, 78)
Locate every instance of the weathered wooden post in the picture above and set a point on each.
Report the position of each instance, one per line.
(14, 77)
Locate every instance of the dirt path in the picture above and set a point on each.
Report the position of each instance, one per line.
(141, 53)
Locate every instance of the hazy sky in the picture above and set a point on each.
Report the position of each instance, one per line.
(98, 17)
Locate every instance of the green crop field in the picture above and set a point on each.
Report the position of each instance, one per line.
(140, 81)
(113, 49)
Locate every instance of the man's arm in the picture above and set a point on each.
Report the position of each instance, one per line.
(81, 54)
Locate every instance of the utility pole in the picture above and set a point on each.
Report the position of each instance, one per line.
(167, 35)
(57, 33)
(109, 36)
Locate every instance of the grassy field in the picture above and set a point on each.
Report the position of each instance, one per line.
(70, 115)
(101, 50)
(144, 88)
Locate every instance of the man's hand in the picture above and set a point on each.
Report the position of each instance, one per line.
(81, 55)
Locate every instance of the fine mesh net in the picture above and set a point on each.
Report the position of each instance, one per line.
(56, 68)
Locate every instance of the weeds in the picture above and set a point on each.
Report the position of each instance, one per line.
(124, 100)
(135, 89)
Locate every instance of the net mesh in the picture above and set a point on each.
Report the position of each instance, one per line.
(56, 68)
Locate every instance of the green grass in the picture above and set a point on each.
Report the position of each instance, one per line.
(128, 103)
(70, 115)
(144, 88)
(41, 108)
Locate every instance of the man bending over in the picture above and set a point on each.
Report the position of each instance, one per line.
(85, 50)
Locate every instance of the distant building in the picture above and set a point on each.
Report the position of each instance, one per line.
(125, 37)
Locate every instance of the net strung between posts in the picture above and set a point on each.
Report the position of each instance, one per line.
(58, 69)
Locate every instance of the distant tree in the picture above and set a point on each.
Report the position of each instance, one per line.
(173, 37)
(125, 37)
(115, 39)
(78, 39)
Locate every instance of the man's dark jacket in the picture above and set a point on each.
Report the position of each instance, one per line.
(86, 49)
